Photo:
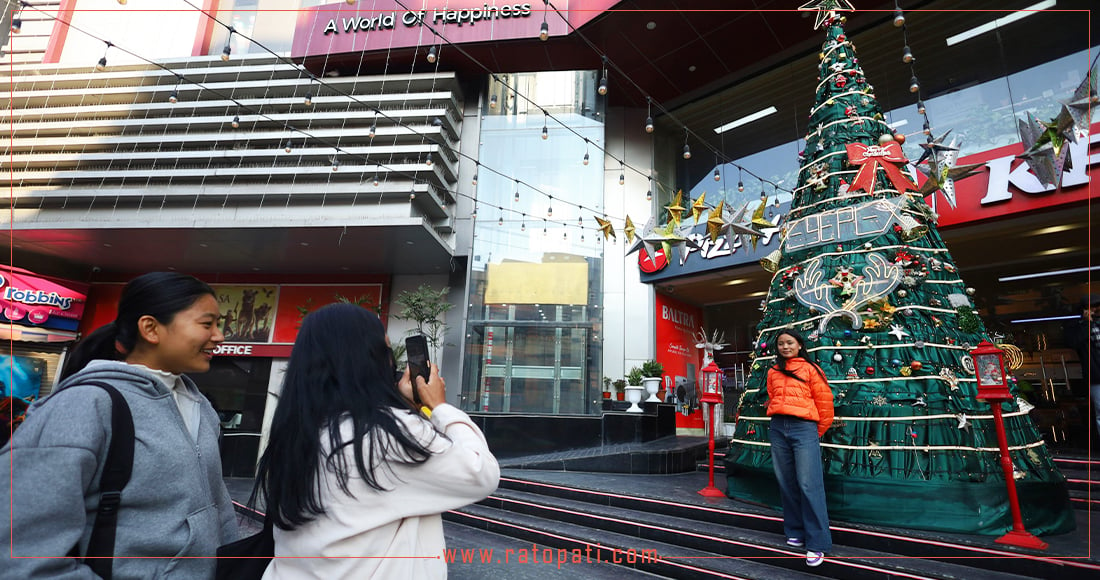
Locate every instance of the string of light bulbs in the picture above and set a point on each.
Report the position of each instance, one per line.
(908, 58)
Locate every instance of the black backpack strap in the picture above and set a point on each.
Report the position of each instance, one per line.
(116, 473)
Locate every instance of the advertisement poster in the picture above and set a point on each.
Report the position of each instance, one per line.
(295, 301)
(31, 300)
(677, 323)
(21, 377)
(248, 312)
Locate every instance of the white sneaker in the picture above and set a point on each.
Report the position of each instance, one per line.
(795, 543)
(814, 558)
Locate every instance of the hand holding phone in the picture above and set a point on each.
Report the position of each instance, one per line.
(416, 352)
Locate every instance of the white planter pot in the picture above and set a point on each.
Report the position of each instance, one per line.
(634, 395)
(652, 385)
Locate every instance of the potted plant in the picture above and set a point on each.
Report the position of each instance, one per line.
(426, 308)
(607, 387)
(651, 378)
(619, 386)
(634, 389)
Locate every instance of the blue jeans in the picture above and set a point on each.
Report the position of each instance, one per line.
(796, 456)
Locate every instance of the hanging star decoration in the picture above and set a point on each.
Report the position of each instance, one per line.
(716, 223)
(699, 206)
(675, 210)
(628, 230)
(942, 172)
(933, 146)
(606, 228)
(1077, 107)
(1044, 151)
(638, 239)
(826, 9)
(758, 222)
(737, 226)
(897, 331)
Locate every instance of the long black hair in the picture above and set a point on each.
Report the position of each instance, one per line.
(781, 363)
(158, 294)
(339, 370)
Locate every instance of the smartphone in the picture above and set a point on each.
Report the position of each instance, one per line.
(416, 352)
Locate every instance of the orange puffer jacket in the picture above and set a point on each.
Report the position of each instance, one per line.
(811, 400)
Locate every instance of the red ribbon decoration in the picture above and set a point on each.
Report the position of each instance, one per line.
(871, 157)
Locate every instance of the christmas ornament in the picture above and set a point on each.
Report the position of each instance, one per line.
(905, 371)
(897, 331)
(716, 224)
(964, 422)
(878, 280)
(918, 343)
(838, 357)
(869, 370)
(826, 9)
(1044, 152)
(879, 400)
(967, 363)
(920, 402)
(845, 280)
(605, 227)
(916, 365)
(871, 158)
(895, 362)
(949, 377)
(770, 262)
(1025, 407)
(902, 293)
(844, 224)
(852, 374)
(1077, 107)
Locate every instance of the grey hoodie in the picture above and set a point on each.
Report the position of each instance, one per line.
(174, 508)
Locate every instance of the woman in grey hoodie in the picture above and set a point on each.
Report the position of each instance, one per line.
(175, 511)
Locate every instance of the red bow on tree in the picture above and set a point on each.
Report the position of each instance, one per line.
(871, 157)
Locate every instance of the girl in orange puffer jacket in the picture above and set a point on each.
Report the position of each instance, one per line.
(801, 410)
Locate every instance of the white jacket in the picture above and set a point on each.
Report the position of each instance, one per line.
(396, 533)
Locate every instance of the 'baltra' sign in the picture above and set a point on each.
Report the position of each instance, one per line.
(384, 25)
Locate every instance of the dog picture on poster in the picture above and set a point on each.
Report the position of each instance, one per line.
(247, 312)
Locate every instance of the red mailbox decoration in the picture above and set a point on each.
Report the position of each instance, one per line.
(993, 388)
(711, 383)
(989, 368)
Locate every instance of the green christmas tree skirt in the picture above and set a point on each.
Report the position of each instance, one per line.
(969, 507)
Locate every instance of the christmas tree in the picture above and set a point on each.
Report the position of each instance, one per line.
(864, 275)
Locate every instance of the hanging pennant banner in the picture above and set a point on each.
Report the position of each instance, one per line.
(843, 224)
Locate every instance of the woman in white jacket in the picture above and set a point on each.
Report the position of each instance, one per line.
(354, 477)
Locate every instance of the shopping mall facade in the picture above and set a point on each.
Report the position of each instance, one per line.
(482, 168)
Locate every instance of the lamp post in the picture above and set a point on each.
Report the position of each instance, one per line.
(993, 388)
(711, 396)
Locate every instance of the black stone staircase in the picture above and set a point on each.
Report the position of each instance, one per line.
(658, 525)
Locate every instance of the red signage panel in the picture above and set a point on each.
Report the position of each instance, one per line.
(677, 322)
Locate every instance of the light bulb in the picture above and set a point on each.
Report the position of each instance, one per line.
(309, 99)
(622, 178)
(906, 55)
(914, 86)
(517, 196)
(102, 64)
(550, 211)
(288, 147)
(174, 97)
(432, 54)
(123, 2)
(899, 18)
(740, 186)
(375, 182)
(500, 221)
(564, 236)
(717, 177)
(602, 89)
(920, 107)
(544, 31)
(335, 164)
(649, 195)
(493, 102)
(473, 214)
(350, 2)
(372, 130)
(474, 180)
(16, 25)
(585, 161)
(687, 151)
(545, 134)
(236, 122)
(523, 226)
(412, 195)
(649, 124)
(226, 51)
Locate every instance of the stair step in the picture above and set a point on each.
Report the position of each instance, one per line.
(477, 554)
(724, 540)
(594, 545)
(676, 498)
